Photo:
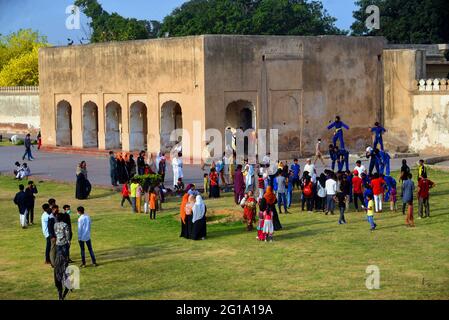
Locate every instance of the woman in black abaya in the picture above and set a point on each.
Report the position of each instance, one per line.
(199, 220)
(83, 186)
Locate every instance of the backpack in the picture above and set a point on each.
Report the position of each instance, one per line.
(308, 189)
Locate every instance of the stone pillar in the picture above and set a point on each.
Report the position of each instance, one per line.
(125, 123)
(77, 122)
(153, 124)
(101, 123)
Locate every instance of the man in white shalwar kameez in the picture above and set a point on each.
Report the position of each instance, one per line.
(177, 168)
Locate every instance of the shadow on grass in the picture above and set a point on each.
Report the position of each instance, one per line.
(102, 195)
(301, 233)
(132, 254)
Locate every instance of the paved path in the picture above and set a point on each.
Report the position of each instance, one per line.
(62, 167)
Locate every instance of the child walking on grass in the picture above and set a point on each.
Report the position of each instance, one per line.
(370, 212)
(268, 228)
(139, 193)
(153, 201)
(125, 195)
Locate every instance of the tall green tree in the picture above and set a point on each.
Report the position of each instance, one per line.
(113, 27)
(406, 21)
(270, 17)
(19, 58)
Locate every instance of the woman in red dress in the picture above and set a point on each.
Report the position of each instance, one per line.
(249, 210)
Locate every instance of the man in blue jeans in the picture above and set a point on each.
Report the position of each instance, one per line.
(281, 191)
(28, 145)
(84, 224)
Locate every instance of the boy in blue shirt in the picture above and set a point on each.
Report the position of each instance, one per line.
(296, 169)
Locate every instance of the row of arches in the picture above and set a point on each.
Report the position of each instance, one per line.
(171, 119)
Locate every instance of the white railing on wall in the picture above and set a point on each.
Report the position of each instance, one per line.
(22, 89)
(432, 85)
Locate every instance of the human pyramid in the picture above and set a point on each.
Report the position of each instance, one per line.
(270, 189)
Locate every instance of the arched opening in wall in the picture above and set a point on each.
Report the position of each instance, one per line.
(113, 126)
(90, 125)
(138, 126)
(171, 119)
(240, 114)
(63, 124)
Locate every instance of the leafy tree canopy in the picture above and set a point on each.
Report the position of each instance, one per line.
(19, 58)
(266, 17)
(113, 27)
(406, 21)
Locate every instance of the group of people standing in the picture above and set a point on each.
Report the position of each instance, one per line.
(123, 167)
(58, 234)
(193, 215)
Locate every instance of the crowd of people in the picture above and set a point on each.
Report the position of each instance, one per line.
(263, 191)
(271, 186)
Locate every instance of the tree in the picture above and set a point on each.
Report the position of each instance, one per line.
(406, 21)
(270, 17)
(114, 27)
(19, 58)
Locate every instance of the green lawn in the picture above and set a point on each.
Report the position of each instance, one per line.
(312, 258)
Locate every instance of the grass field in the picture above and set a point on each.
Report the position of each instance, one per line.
(312, 258)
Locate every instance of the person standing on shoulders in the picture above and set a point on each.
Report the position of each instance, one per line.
(84, 225)
(378, 132)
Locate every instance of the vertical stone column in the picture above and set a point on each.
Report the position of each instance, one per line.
(77, 121)
(101, 123)
(125, 122)
(153, 123)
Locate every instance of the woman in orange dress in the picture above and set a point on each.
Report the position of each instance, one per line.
(182, 210)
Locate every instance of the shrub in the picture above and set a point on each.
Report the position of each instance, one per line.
(152, 179)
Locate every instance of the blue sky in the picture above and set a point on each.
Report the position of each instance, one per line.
(48, 16)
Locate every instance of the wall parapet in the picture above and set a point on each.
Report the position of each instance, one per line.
(21, 89)
(432, 85)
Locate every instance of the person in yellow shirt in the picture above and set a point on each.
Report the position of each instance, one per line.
(370, 213)
(134, 186)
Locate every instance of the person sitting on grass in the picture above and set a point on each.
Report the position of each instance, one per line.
(18, 167)
(179, 187)
(23, 172)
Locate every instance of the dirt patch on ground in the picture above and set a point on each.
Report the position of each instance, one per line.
(215, 216)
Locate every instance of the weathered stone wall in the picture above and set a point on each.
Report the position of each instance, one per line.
(401, 69)
(19, 110)
(293, 84)
(430, 118)
(143, 74)
(297, 85)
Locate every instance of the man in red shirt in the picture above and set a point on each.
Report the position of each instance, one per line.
(424, 186)
(357, 189)
(377, 184)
